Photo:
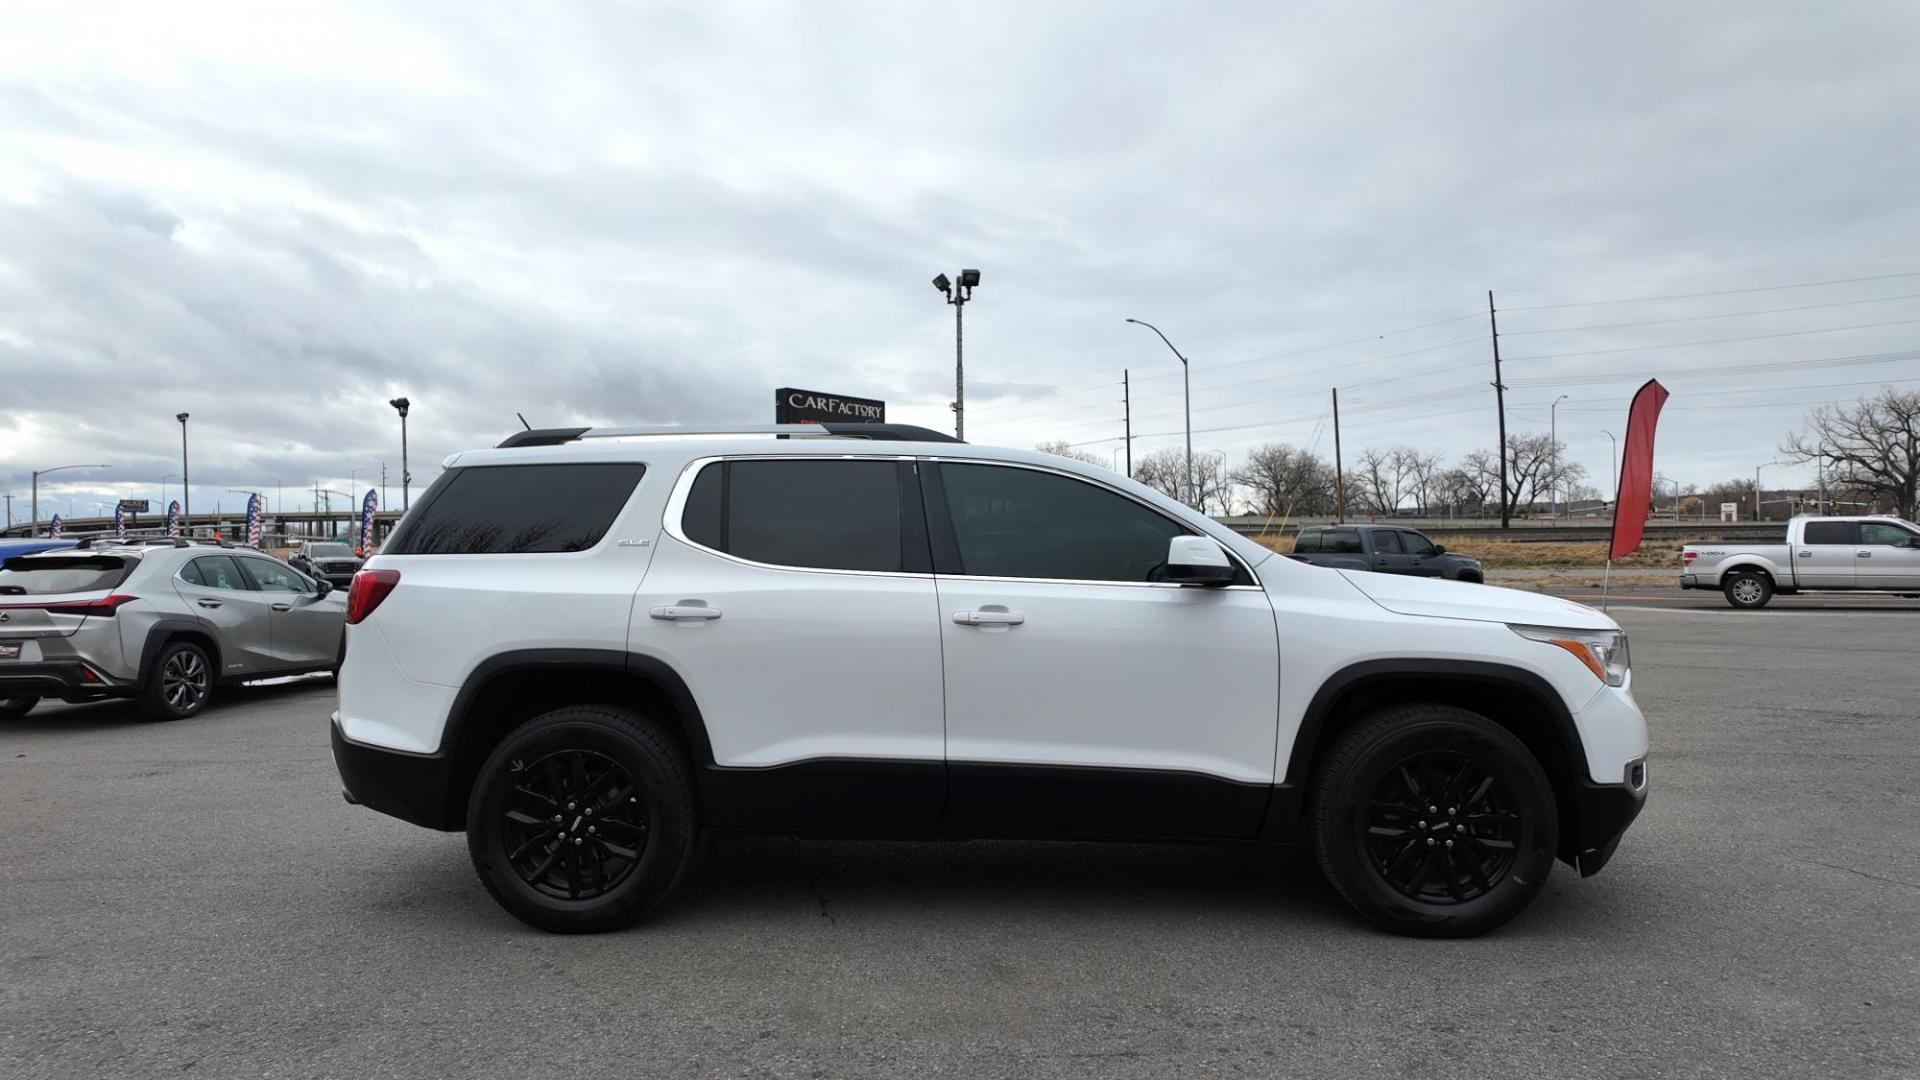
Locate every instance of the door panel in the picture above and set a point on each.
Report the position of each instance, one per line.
(1826, 555)
(1886, 558)
(1388, 558)
(1421, 555)
(238, 616)
(306, 626)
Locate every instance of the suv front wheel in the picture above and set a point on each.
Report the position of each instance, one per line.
(1434, 821)
(179, 684)
(582, 819)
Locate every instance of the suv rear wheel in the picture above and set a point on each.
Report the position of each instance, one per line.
(14, 708)
(582, 820)
(1434, 821)
(179, 683)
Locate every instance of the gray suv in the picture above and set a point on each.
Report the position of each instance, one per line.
(164, 624)
(327, 560)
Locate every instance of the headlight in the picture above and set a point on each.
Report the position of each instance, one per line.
(1603, 651)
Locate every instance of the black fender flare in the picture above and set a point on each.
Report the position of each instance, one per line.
(652, 669)
(164, 631)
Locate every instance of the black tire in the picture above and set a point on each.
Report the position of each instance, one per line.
(1471, 579)
(1365, 788)
(14, 708)
(637, 783)
(179, 683)
(1747, 590)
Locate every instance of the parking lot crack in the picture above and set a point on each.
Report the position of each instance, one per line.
(813, 886)
(1871, 877)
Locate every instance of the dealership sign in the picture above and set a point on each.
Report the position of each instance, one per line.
(791, 406)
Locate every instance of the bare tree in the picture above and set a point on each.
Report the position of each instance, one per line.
(1385, 479)
(1873, 446)
(1423, 474)
(1280, 479)
(1066, 450)
(1164, 471)
(1529, 467)
(1212, 483)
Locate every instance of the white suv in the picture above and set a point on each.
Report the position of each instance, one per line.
(585, 646)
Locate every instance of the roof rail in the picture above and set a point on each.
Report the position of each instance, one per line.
(876, 432)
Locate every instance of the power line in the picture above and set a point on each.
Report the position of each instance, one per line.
(1713, 341)
(1702, 318)
(1714, 273)
(1725, 369)
(1718, 292)
(1323, 348)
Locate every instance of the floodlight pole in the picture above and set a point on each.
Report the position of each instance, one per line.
(186, 478)
(1186, 383)
(958, 292)
(402, 404)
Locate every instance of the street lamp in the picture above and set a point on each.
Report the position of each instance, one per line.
(403, 405)
(1756, 484)
(186, 479)
(1615, 459)
(33, 527)
(1553, 436)
(1186, 384)
(957, 295)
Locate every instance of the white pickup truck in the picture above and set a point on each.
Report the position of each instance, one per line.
(1854, 554)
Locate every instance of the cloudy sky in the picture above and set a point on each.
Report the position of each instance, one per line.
(657, 214)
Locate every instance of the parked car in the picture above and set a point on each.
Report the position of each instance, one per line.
(10, 548)
(1822, 554)
(164, 624)
(584, 651)
(326, 560)
(1385, 549)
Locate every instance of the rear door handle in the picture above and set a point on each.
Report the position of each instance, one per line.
(684, 612)
(989, 618)
(208, 603)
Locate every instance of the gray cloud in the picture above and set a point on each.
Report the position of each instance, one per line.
(658, 215)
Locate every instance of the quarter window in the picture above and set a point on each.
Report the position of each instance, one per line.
(1023, 523)
(517, 509)
(826, 515)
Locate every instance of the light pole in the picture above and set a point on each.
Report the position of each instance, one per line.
(186, 479)
(1186, 383)
(1756, 485)
(1615, 459)
(33, 528)
(1553, 436)
(957, 294)
(403, 405)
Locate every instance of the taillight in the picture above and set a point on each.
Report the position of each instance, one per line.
(369, 588)
(104, 606)
(1687, 557)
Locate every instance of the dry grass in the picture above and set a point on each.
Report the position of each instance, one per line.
(1544, 555)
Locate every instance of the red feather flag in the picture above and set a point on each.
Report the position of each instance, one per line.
(1631, 506)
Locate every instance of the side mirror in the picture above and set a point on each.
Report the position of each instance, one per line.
(1198, 560)
(325, 586)
(1439, 549)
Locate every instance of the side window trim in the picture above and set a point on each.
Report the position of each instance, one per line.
(946, 544)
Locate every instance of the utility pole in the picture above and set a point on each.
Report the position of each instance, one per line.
(958, 293)
(1126, 403)
(406, 478)
(1339, 475)
(186, 480)
(1500, 402)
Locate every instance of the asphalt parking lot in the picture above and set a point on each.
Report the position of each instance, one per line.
(195, 899)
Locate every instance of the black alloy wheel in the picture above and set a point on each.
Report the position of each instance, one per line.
(582, 820)
(1433, 821)
(179, 684)
(574, 825)
(1441, 828)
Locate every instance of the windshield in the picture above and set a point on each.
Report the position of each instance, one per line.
(43, 575)
(330, 551)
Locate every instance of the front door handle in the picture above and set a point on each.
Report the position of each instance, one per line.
(1806, 554)
(283, 607)
(208, 603)
(989, 618)
(1864, 554)
(684, 612)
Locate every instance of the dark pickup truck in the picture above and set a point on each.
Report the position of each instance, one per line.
(1386, 549)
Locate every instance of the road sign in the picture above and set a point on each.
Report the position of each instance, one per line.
(792, 406)
(134, 506)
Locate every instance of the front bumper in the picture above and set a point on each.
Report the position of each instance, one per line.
(65, 679)
(1605, 811)
(411, 787)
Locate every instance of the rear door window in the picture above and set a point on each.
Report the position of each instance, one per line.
(46, 575)
(517, 509)
(1830, 532)
(1342, 542)
(1386, 542)
(214, 572)
(1879, 533)
(824, 515)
